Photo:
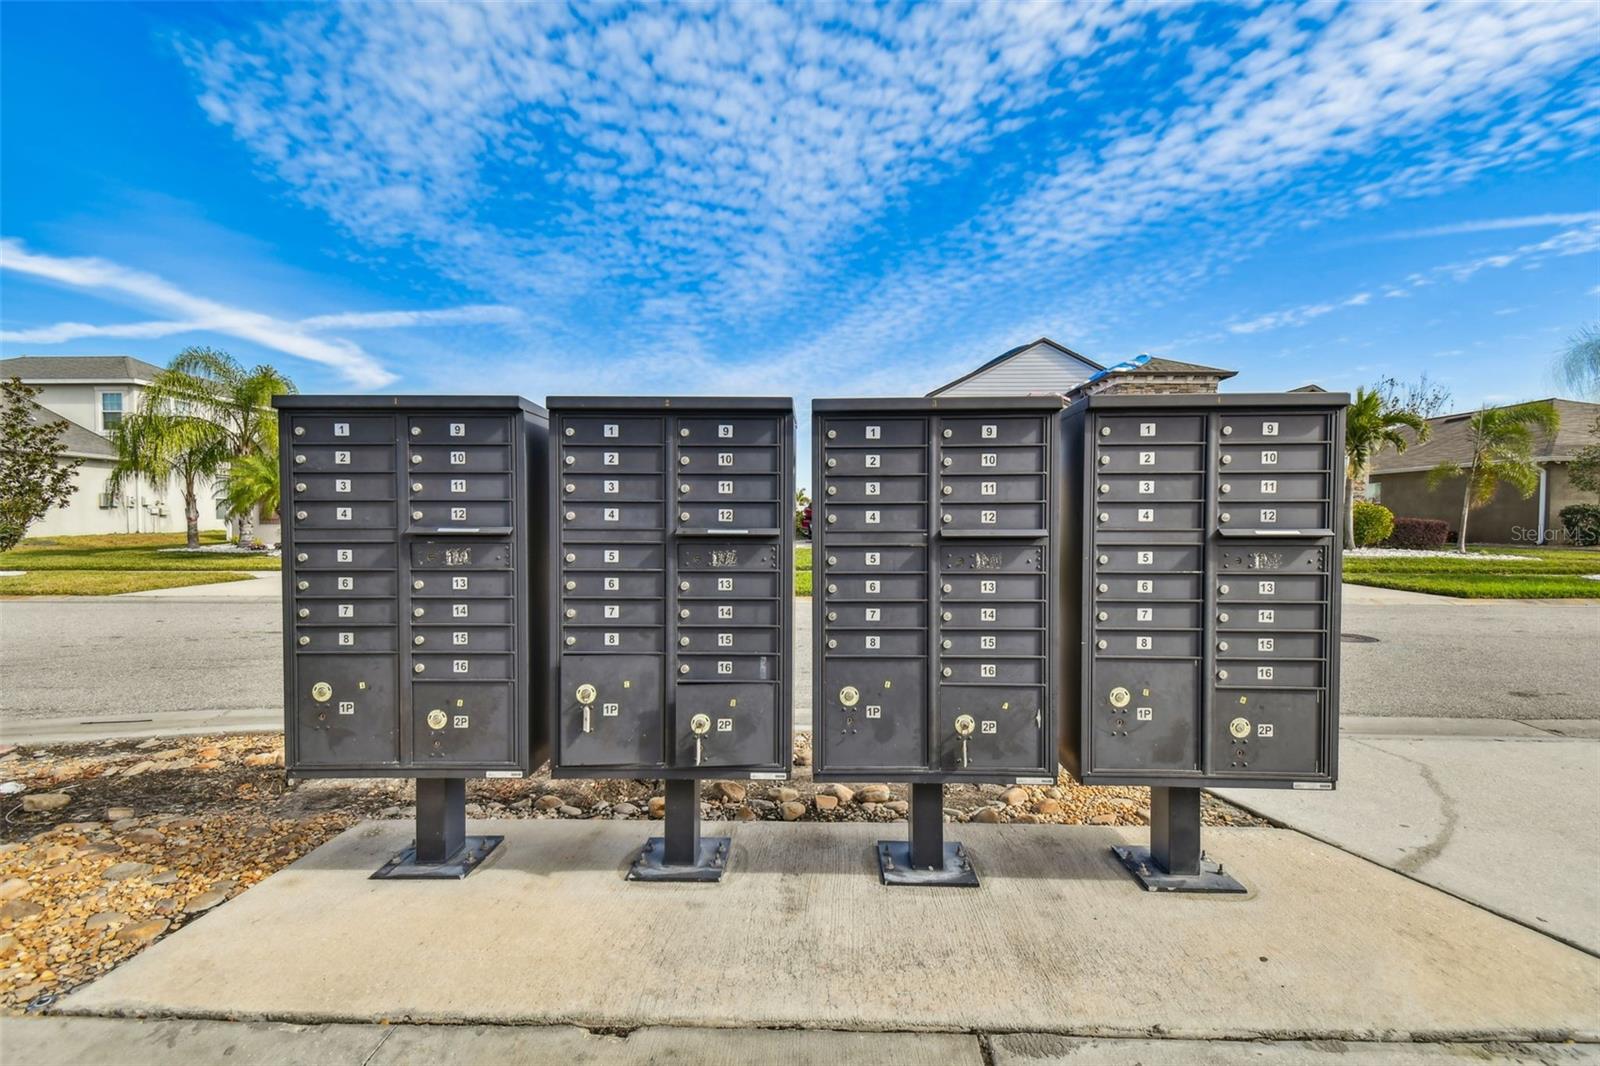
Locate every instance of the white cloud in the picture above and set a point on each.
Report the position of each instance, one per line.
(471, 315)
(1490, 225)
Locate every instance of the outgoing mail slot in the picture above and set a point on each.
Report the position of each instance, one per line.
(337, 555)
(431, 584)
(1007, 729)
(352, 515)
(1274, 427)
(622, 723)
(726, 586)
(720, 556)
(474, 723)
(334, 459)
(872, 490)
(1147, 616)
(1268, 488)
(1002, 488)
(463, 487)
(1270, 733)
(340, 584)
(878, 560)
(1150, 458)
(630, 488)
(742, 717)
(344, 487)
(1157, 727)
(1147, 642)
(459, 429)
(876, 642)
(465, 514)
(611, 516)
(732, 613)
(995, 586)
(885, 518)
(1269, 587)
(875, 431)
(991, 671)
(762, 431)
(1272, 617)
(731, 516)
(460, 554)
(978, 517)
(990, 558)
(885, 723)
(620, 613)
(732, 488)
(442, 667)
(993, 460)
(1271, 558)
(1149, 429)
(1136, 488)
(1148, 559)
(868, 587)
(1272, 645)
(625, 557)
(427, 459)
(463, 638)
(1271, 458)
(988, 616)
(343, 639)
(1144, 517)
(1257, 673)
(873, 615)
(873, 462)
(728, 667)
(450, 612)
(728, 640)
(996, 431)
(367, 612)
(353, 723)
(606, 586)
(730, 460)
(617, 638)
(611, 430)
(1249, 514)
(981, 643)
(1153, 587)
(612, 460)
(340, 429)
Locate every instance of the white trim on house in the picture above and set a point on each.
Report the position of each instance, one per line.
(141, 382)
(1541, 460)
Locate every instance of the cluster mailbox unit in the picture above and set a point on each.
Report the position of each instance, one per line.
(413, 645)
(938, 587)
(672, 535)
(1210, 544)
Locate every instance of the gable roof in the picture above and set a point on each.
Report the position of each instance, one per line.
(80, 442)
(1450, 442)
(1044, 346)
(1157, 365)
(32, 368)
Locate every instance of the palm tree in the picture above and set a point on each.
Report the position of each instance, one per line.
(1502, 450)
(251, 481)
(1579, 366)
(159, 446)
(212, 384)
(1369, 426)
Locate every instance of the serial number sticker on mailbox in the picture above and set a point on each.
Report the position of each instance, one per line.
(724, 584)
(613, 584)
(341, 484)
(1269, 487)
(611, 459)
(872, 587)
(342, 514)
(1264, 643)
(724, 458)
(725, 431)
(346, 583)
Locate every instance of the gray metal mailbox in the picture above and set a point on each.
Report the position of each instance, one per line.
(1210, 541)
(672, 541)
(938, 593)
(413, 548)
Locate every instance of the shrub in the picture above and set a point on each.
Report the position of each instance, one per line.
(1419, 533)
(1373, 523)
(1582, 523)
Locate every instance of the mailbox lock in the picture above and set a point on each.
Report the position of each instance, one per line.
(832, 519)
(419, 583)
(299, 431)
(833, 560)
(1104, 559)
(1226, 488)
(683, 488)
(683, 642)
(301, 557)
(416, 431)
(415, 459)
(683, 516)
(683, 612)
(946, 615)
(947, 518)
(322, 692)
(833, 643)
(302, 585)
(304, 641)
(1103, 587)
(683, 460)
(416, 516)
(587, 693)
(1222, 589)
(569, 460)
(949, 433)
(1222, 675)
(832, 463)
(947, 461)
(700, 724)
(437, 719)
(1223, 617)
(1101, 645)
(1222, 645)
(683, 586)
(572, 612)
(832, 433)
(849, 696)
(964, 727)
(1224, 516)
(945, 645)
(570, 487)
(1104, 517)
(946, 672)
(684, 669)
(1102, 616)
(300, 515)
(1104, 487)
(944, 588)
(571, 432)
(1227, 431)
(304, 613)
(572, 557)
(416, 612)
(1105, 460)
(299, 459)
(1239, 727)
(416, 486)
(571, 585)
(1120, 697)
(571, 515)
(684, 432)
(833, 588)
(299, 486)
(571, 641)
(833, 616)
(419, 668)
(947, 490)
(1226, 459)
(419, 640)
(833, 490)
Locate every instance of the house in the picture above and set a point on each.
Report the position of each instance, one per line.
(1045, 367)
(92, 394)
(1400, 480)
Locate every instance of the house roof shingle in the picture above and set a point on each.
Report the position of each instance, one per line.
(1449, 441)
(78, 368)
(79, 440)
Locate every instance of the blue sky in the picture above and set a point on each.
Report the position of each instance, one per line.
(803, 200)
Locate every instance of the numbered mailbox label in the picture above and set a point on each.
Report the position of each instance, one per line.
(341, 429)
(458, 429)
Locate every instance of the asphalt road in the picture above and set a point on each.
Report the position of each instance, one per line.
(115, 660)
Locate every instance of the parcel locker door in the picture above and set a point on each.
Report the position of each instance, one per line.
(611, 710)
(345, 711)
(1273, 734)
(462, 723)
(740, 721)
(1144, 716)
(875, 711)
(991, 727)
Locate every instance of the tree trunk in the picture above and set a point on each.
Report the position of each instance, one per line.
(1349, 513)
(191, 512)
(1466, 507)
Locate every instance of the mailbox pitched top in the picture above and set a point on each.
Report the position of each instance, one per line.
(930, 404)
(670, 403)
(299, 402)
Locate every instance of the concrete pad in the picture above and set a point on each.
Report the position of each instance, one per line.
(800, 933)
(1581, 728)
(1508, 823)
(1044, 1049)
(76, 1041)
(1355, 725)
(267, 585)
(1372, 596)
(154, 724)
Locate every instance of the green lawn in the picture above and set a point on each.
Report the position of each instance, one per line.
(108, 582)
(125, 551)
(1547, 573)
(802, 571)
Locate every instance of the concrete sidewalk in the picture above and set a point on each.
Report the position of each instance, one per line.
(1498, 812)
(264, 585)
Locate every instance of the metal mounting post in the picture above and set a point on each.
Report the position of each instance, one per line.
(924, 858)
(681, 854)
(442, 849)
(1174, 861)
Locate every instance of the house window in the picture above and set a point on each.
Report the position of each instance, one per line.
(1374, 492)
(110, 410)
